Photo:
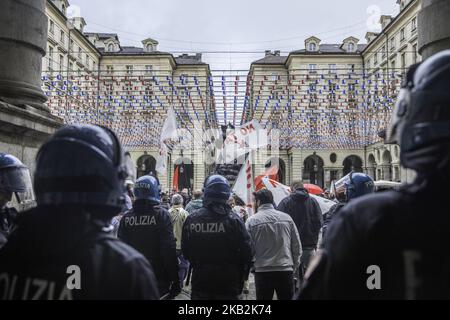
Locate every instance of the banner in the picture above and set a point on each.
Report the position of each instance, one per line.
(281, 191)
(242, 140)
(243, 187)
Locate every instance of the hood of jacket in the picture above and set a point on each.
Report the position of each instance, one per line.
(300, 194)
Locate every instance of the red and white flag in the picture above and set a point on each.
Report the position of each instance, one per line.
(243, 187)
(168, 133)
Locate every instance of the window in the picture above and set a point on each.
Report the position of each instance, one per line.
(351, 68)
(393, 65)
(148, 69)
(88, 61)
(375, 58)
(63, 9)
(109, 69)
(50, 53)
(415, 53)
(51, 27)
(312, 46)
(312, 68)
(332, 68)
(392, 43)
(383, 52)
(71, 45)
(79, 52)
(403, 62)
(61, 37)
(71, 66)
(414, 24)
(150, 47)
(402, 34)
(110, 47)
(351, 47)
(94, 66)
(61, 62)
(129, 70)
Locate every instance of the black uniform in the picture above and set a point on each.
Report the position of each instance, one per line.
(39, 259)
(398, 231)
(148, 229)
(7, 219)
(218, 246)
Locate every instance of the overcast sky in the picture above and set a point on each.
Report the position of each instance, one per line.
(232, 25)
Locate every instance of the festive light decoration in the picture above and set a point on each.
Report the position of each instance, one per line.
(311, 110)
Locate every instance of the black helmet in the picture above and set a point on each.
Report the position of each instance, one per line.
(147, 188)
(421, 118)
(216, 189)
(15, 178)
(81, 165)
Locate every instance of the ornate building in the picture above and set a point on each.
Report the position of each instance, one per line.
(327, 101)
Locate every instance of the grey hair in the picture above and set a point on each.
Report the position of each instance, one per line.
(177, 199)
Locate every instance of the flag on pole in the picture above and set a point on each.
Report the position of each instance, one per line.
(176, 175)
(168, 132)
(243, 187)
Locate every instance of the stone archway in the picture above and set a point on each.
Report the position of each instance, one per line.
(386, 164)
(281, 174)
(146, 165)
(352, 163)
(184, 169)
(372, 166)
(313, 170)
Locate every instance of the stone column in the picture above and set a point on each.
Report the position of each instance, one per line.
(23, 41)
(25, 122)
(433, 27)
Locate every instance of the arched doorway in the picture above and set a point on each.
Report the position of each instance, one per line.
(372, 166)
(281, 174)
(352, 163)
(386, 162)
(183, 175)
(313, 170)
(146, 165)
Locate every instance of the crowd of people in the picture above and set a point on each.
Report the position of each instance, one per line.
(132, 241)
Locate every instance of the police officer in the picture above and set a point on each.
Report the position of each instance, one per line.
(14, 180)
(217, 244)
(349, 187)
(60, 249)
(394, 244)
(148, 228)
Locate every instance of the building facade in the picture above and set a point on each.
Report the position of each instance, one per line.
(336, 99)
(327, 101)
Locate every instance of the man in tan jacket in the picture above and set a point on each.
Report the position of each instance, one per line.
(178, 215)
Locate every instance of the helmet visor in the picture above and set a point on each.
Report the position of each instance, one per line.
(15, 180)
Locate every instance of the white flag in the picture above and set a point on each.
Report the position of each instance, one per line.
(169, 129)
(168, 132)
(281, 191)
(161, 161)
(243, 187)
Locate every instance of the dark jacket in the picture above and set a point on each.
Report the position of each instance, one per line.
(194, 205)
(217, 244)
(307, 216)
(398, 232)
(327, 217)
(48, 241)
(148, 229)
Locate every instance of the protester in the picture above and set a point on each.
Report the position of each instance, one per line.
(186, 196)
(178, 216)
(393, 244)
(196, 202)
(217, 245)
(239, 208)
(147, 227)
(277, 248)
(79, 186)
(307, 216)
